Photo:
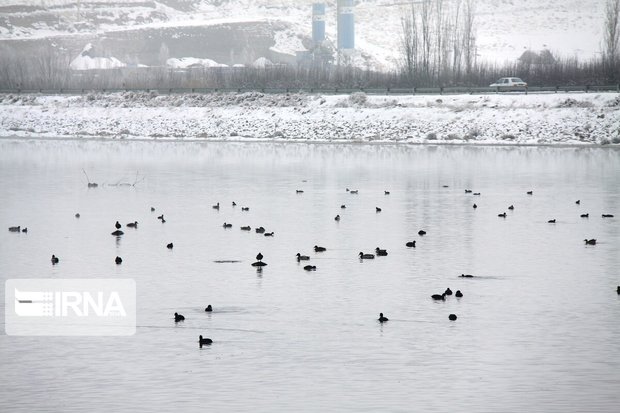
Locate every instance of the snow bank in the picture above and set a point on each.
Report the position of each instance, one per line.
(185, 62)
(580, 119)
(86, 61)
(261, 63)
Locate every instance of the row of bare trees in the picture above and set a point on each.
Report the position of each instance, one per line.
(438, 41)
(438, 48)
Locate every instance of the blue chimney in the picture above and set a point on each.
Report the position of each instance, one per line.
(346, 24)
(318, 22)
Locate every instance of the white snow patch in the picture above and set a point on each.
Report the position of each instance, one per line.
(261, 63)
(86, 62)
(185, 62)
(287, 41)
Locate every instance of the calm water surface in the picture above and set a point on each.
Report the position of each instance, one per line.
(537, 331)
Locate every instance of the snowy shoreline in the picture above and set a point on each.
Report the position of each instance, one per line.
(572, 119)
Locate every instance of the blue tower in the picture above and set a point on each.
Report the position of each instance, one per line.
(318, 22)
(346, 24)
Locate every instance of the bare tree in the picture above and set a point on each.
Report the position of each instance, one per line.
(426, 14)
(611, 35)
(409, 43)
(164, 54)
(469, 35)
(456, 44)
(439, 38)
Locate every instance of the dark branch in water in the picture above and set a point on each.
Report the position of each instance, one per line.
(135, 182)
(90, 184)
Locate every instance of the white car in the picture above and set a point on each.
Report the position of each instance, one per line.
(510, 83)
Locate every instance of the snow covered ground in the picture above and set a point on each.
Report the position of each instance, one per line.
(575, 118)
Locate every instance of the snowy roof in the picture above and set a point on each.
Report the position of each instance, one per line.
(185, 62)
(87, 61)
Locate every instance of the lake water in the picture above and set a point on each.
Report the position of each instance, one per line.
(537, 328)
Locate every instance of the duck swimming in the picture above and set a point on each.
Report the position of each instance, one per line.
(503, 215)
(439, 297)
(310, 268)
(216, 206)
(377, 209)
(260, 230)
(551, 221)
(467, 276)
(458, 294)
(302, 257)
(132, 224)
(410, 244)
(204, 341)
(337, 218)
(269, 234)
(118, 260)
(170, 246)
(421, 232)
(343, 206)
(584, 215)
(452, 317)
(319, 249)
(227, 225)
(382, 318)
(607, 216)
(178, 317)
(259, 264)
(448, 291)
(590, 241)
(15, 229)
(209, 309)
(117, 225)
(380, 252)
(366, 256)
(54, 260)
(248, 228)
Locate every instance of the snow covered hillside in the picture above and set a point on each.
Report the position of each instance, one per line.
(505, 27)
(580, 119)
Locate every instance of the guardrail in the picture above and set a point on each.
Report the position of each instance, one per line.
(332, 91)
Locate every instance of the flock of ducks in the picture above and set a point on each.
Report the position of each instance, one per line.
(259, 263)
